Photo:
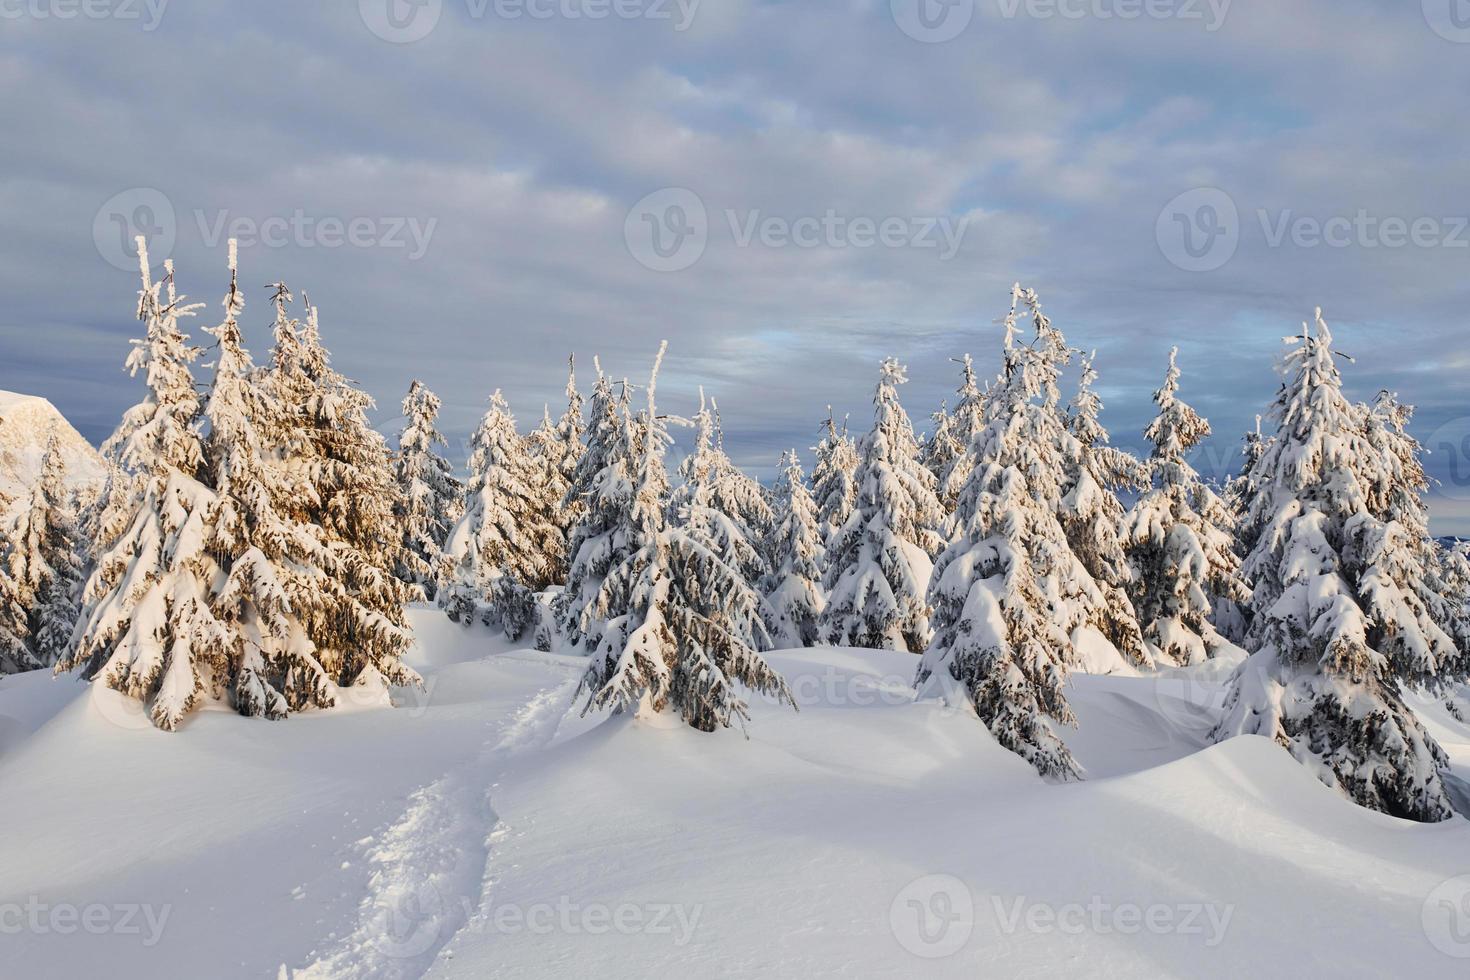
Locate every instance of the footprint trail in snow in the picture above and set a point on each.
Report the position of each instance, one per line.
(428, 867)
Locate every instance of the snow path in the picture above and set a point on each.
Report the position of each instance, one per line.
(429, 866)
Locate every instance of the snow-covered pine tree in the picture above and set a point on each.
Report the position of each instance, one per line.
(44, 561)
(878, 563)
(713, 481)
(833, 486)
(107, 516)
(678, 618)
(604, 413)
(340, 477)
(1090, 509)
(1232, 618)
(1009, 593)
(430, 497)
(568, 454)
(966, 421)
(940, 448)
(505, 547)
(1179, 537)
(15, 650)
(147, 628)
(269, 558)
(1398, 495)
(1240, 492)
(595, 545)
(551, 485)
(1338, 623)
(794, 596)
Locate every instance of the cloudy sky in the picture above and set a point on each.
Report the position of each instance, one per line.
(786, 191)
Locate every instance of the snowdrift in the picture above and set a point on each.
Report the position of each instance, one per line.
(484, 828)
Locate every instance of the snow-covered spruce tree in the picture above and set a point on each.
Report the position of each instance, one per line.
(679, 619)
(1397, 494)
(505, 547)
(878, 563)
(15, 654)
(1090, 510)
(1232, 618)
(430, 498)
(965, 422)
(1179, 537)
(1338, 623)
(551, 485)
(270, 557)
(794, 596)
(15, 648)
(567, 454)
(44, 561)
(106, 517)
(1009, 593)
(340, 478)
(1240, 492)
(833, 486)
(595, 545)
(147, 628)
(712, 480)
(940, 448)
(601, 432)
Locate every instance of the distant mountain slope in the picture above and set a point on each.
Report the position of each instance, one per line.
(26, 423)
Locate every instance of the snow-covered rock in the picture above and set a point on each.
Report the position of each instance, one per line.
(26, 423)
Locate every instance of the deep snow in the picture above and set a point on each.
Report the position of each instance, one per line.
(484, 829)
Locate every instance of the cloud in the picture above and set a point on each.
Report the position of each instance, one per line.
(525, 142)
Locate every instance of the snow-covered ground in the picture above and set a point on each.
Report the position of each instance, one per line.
(484, 828)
